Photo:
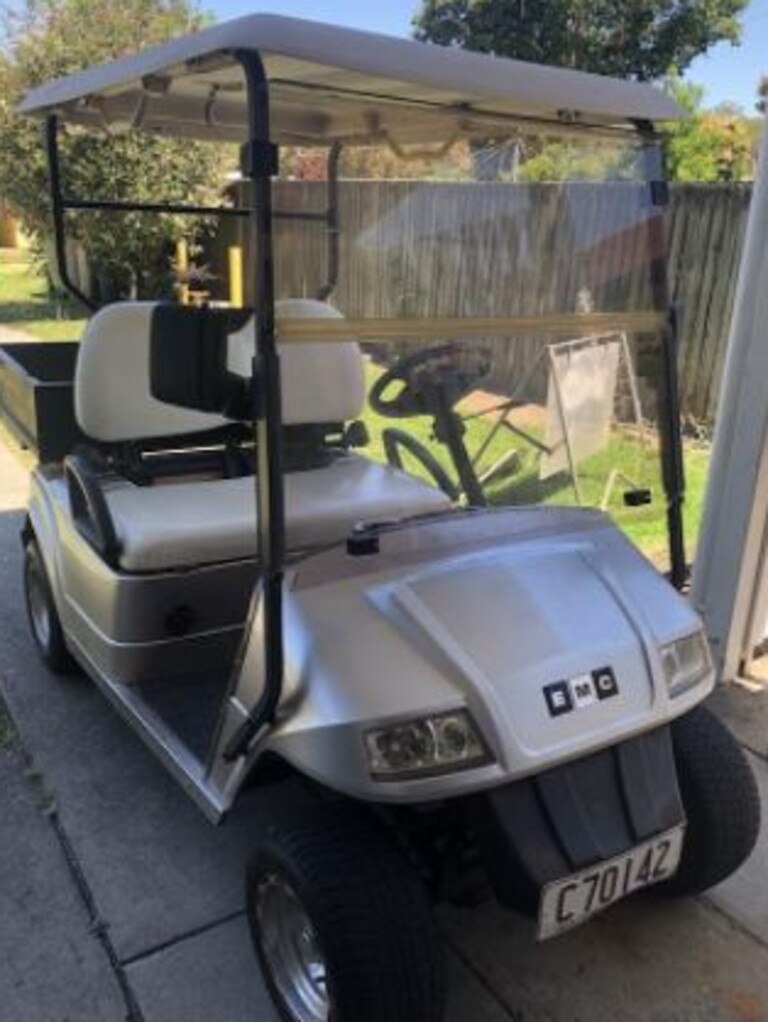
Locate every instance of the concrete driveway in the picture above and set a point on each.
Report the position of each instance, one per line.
(118, 901)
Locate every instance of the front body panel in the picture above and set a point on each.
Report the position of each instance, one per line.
(483, 611)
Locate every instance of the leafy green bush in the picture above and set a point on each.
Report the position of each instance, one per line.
(129, 254)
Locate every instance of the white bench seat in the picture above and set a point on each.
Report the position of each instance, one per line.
(183, 524)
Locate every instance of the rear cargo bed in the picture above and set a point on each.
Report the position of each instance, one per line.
(36, 396)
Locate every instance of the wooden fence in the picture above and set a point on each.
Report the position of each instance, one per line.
(414, 248)
(706, 227)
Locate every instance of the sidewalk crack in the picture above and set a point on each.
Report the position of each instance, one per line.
(98, 927)
(141, 956)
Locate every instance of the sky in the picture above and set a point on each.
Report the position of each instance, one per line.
(728, 73)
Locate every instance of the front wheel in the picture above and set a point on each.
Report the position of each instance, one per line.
(43, 616)
(341, 923)
(721, 802)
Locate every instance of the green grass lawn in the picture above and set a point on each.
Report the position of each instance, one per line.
(25, 303)
(646, 525)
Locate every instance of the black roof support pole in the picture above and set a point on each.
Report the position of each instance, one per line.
(673, 473)
(57, 210)
(259, 165)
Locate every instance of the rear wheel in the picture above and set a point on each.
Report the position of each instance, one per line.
(341, 922)
(721, 802)
(43, 617)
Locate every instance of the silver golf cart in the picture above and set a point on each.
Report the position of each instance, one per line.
(435, 639)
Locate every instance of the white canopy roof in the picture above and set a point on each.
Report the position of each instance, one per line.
(331, 83)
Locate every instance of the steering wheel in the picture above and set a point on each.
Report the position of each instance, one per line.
(432, 381)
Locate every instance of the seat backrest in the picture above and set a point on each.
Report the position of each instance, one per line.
(321, 383)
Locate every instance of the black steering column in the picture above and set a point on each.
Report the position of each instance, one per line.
(432, 382)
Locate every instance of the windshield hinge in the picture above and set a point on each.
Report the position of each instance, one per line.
(258, 159)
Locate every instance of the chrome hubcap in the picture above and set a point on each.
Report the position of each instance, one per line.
(291, 950)
(38, 608)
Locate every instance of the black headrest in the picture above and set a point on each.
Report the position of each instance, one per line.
(188, 359)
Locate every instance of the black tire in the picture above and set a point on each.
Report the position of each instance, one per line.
(43, 617)
(721, 802)
(367, 907)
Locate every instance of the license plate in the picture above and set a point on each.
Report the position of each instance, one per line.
(571, 901)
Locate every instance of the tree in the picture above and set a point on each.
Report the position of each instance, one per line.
(762, 94)
(642, 39)
(379, 162)
(130, 254)
(711, 145)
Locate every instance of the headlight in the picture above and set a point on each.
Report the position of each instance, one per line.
(428, 745)
(686, 661)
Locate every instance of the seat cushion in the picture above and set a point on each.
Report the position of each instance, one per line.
(182, 524)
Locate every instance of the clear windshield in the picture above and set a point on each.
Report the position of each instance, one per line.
(505, 294)
(506, 290)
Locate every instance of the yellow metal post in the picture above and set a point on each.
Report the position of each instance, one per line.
(9, 232)
(236, 276)
(182, 265)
